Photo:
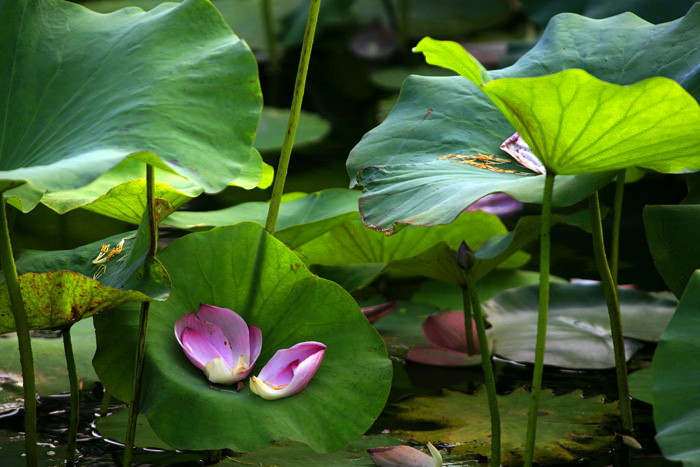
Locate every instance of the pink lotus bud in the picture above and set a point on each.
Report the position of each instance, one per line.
(288, 371)
(219, 342)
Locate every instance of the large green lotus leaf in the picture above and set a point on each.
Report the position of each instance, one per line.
(677, 381)
(578, 124)
(62, 287)
(413, 250)
(244, 16)
(273, 125)
(301, 218)
(438, 116)
(540, 11)
(50, 360)
(642, 385)
(83, 91)
(623, 49)
(673, 242)
(578, 327)
(569, 426)
(403, 179)
(243, 268)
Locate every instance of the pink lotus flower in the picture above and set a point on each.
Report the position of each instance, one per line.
(447, 334)
(288, 371)
(219, 342)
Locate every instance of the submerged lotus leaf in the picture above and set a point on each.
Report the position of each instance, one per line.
(273, 126)
(568, 427)
(244, 269)
(578, 124)
(302, 217)
(677, 381)
(578, 329)
(62, 287)
(50, 359)
(83, 91)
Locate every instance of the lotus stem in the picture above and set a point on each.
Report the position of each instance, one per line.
(106, 400)
(23, 339)
(545, 242)
(613, 303)
(489, 378)
(270, 42)
(143, 323)
(466, 299)
(74, 397)
(292, 123)
(617, 221)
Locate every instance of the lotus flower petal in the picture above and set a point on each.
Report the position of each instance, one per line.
(447, 330)
(400, 456)
(288, 371)
(219, 342)
(500, 204)
(441, 357)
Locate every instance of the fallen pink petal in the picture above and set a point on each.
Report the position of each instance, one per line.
(499, 204)
(219, 342)
(446, 333)
(402, 456)
(288, 371)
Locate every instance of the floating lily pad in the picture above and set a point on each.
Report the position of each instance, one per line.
(50, 360)
(273, 125)
(677, 381)
(301, 217)
(62, 287)
(578, 330)
(568, 426)
(172, 87)
(243, 268)
(676, 253)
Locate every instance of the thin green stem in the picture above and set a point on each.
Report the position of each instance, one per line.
(23, 338)
(269, 26)
(143, 323)
(541, 320)
(617, 220)
(613, 303)
(106, 400)
(74, 397)
(466, 300)
(287, 145)
(489, 378)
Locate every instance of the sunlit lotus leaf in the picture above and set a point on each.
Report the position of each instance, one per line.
(578, 330)
(301, 218)
(172, 87)
(402, 178)
(570, 426)
(413, 250)
(246, 270)
(677, 381)
(577, 124)
(62, 287)
(671, 232)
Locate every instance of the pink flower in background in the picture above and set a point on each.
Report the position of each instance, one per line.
(447, 335)
(219, 342)
(499, 204)
(288, 371)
